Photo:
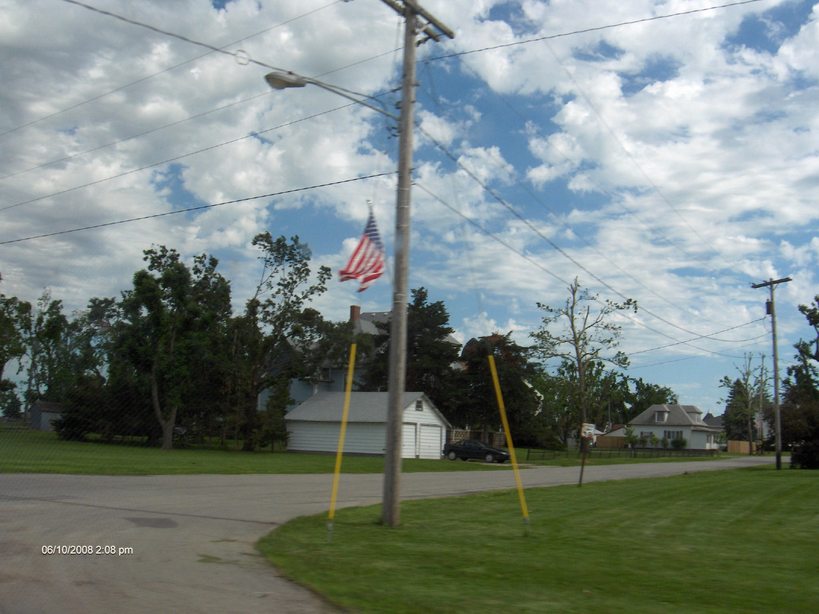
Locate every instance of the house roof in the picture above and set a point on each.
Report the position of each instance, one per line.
(678, 415)
(715, 421)
(364, 407)
(48, 406)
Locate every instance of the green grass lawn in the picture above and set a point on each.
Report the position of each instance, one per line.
(26, 451)
(727, 541)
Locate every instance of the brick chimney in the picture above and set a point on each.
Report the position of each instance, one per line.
(355, 313)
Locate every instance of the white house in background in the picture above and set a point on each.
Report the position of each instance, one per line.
(314, 425)
(42, 414)
(674, 422)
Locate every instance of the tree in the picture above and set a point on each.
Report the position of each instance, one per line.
(740, 406)
(262, 339)
(430, 353)
(44, 332)
(800, 404)
(169, 318)
(583, 337)
(476, 405)
(12, 347)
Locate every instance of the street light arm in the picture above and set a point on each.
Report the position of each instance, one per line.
(282, 80)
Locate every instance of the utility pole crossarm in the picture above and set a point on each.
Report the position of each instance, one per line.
(771, 282)
(434, 28)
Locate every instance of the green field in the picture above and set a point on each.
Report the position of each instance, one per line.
(727, 541)
(25, 451)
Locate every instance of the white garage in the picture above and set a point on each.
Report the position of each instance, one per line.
(314, 425)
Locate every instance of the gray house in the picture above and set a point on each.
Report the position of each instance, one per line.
(43, 413)
(314, 425)
(674, 422)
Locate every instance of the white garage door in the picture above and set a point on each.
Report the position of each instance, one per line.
(409, 449)
(431, 441)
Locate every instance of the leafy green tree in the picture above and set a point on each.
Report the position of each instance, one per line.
(9, 401)
(168, 324)
(44, 332)
(261, 339)
(430, 353)
(558, 417)
(12, 316)
(800, 403)
(477, 404)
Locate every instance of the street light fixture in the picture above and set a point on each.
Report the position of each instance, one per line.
(280, 80)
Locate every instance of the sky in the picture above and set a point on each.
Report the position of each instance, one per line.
(661, 150)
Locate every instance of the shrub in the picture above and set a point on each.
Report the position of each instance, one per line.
(679, 444)
(805, 455)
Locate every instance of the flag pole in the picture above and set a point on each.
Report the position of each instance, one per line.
(345, 413)
(505, 421)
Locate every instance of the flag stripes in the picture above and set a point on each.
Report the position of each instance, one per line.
(367, 262)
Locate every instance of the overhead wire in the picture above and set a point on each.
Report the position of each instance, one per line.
(172, 159)
(556, 218)
(169, 68)
(560, 279)
(535, 230)
(197, 208)
(620, 24)
(496, 196)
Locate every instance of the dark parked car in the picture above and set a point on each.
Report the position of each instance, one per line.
(474, 449)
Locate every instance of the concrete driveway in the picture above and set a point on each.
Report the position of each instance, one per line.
(186, 543)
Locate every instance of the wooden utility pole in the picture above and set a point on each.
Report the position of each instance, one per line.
(771, 305)
(413, 15)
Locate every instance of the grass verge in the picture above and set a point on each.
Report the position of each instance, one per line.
(25, 451)
(727, 541)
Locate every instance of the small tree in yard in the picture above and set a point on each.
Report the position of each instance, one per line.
(583, 332)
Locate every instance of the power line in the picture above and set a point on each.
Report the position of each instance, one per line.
(592, 29)
(267, 92)
(554, 245)
(240, 55)
(198, 208)
(710, 336)
(560, 279)
(170, 68)
(169, 160)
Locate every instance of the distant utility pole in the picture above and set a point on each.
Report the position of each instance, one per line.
(771, 308)
(415, 18)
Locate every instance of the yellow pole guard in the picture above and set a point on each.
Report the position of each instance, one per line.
(509, 444)
(342, 432)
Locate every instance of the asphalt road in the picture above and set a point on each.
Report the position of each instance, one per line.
(186, 543)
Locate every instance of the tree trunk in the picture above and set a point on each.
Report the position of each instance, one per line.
(167, 424)
(750, 432)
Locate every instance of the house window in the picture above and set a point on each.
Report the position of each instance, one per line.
(419, 405)
(660, 416)
(672, 435)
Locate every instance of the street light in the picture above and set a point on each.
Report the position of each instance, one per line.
(398, 321)
(411, 11)
(280, 80)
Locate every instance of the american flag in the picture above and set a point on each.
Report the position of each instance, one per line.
(367, 262)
